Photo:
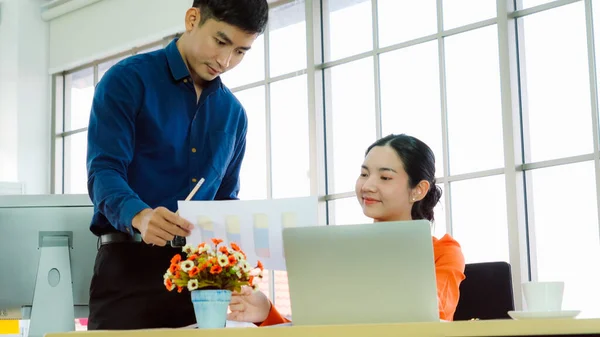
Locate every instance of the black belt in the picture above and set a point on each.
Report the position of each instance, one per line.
(109, 238)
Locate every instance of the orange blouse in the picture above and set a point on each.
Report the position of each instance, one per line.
(449, 273)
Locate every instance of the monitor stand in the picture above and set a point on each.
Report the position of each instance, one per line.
(52, 309)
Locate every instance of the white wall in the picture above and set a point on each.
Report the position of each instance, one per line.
(25, 105)
(8, 90)
(108, 27)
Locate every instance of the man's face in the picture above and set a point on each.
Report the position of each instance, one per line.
(214, 47)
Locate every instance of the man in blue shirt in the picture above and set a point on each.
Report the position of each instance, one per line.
(159, 123)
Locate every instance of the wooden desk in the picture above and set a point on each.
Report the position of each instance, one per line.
(553, 327)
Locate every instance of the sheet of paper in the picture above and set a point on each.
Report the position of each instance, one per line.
(255, 225)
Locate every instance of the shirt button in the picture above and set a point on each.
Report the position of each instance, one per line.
(194, 150)
(194, 180)
(185, 80)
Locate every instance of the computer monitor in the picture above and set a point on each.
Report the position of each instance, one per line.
(47, 255)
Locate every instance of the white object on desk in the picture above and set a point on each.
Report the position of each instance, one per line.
(543, 296)
(544, 314)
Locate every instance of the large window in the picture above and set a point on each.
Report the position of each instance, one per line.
(507, 100)
(75, 90)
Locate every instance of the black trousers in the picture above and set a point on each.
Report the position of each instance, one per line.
(127, 289)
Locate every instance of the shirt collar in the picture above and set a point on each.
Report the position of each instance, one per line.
(176, 63)
(179, 70)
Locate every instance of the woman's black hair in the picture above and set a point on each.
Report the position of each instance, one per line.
(419, 163)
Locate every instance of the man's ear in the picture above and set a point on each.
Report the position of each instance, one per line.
(192, 18)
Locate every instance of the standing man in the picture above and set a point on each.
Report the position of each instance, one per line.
(159, 123)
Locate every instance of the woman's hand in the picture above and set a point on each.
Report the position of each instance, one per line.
(249, 306)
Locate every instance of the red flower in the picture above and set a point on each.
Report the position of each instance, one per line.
(235, 247)
(216, 269)
(176, 259)
(169, 284)
(192, 257)
(216, 241)
(232, 260)
(194, 271)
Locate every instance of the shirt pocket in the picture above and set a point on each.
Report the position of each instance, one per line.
(221, 151)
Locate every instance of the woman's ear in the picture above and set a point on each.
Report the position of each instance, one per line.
(420, 191)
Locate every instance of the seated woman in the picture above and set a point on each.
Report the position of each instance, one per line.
(396, 183)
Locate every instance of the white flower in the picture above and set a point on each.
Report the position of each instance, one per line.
(167, 274)
(246, 267)
(192, 284)
(189, 250)
(239, 256)
(187, 266)
(223, 260)
(255, 287)
(172, 285)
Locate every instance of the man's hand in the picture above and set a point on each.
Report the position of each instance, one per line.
(249, 306)
(159, 225)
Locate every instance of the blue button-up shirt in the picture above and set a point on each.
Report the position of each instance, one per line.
(150, 139)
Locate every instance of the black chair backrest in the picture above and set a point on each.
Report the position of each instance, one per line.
(486, 292)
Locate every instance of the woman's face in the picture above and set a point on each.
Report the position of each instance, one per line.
(382, 188)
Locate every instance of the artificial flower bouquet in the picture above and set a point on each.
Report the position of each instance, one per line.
(212, 266)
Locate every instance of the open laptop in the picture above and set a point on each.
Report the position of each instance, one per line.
(359, 274)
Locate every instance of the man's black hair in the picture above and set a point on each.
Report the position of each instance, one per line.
(248, 15)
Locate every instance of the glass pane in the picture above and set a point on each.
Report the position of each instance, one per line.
(82, 93)
(251, 69)
(410, 96)
(287, 38)
(463, 12)
(289, 106)
(75, 163)
(565, 224)
(353, 121)
(557, 83)
(479, 223)
(347, 211)
(348, 28)
(401, 21)
(265, 284)
(473, 93)
(282, 293)
(596, 21)
(103, 67)
(59, 170)
(533, 3)
(253, 175)
(439, 213)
